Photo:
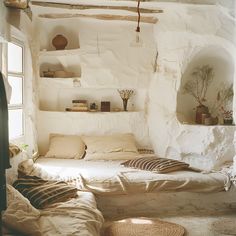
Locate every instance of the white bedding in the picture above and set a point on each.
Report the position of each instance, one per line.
(78, 216)
(109, 177)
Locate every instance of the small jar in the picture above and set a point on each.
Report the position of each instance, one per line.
(208, 121)
(204, 116)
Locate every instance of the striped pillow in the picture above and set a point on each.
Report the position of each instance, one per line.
(160, 165)
(42, 193)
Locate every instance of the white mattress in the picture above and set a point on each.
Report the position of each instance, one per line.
(109, 177)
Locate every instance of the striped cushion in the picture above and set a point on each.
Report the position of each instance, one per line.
(42, 193)
(145, 151)
(160, 165)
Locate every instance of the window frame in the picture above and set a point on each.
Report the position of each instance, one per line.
(17, 75)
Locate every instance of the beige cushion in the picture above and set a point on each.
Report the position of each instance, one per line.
(66, 146)
(160, 165)
(112, 156)
(20, 215)
(110, 143)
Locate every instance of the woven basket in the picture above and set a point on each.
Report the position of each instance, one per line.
(143, 227)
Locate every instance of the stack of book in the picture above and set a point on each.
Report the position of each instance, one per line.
(78, 105)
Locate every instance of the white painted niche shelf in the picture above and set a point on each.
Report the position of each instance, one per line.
(68, 27)
(222, 64)
(57, 95)
(60, 61)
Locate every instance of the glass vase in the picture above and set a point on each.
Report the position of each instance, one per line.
(125, 103)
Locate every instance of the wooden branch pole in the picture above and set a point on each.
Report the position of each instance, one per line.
(86, 7)
(144, 19)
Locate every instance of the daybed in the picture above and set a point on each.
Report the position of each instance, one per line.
(122, 191)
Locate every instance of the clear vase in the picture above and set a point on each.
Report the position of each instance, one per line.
(125, 103)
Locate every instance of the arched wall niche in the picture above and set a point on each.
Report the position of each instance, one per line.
(223, 68)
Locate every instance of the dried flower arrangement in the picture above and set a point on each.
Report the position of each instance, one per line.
(227, 114)
(198, 86)
(223, 98)
(125, 95)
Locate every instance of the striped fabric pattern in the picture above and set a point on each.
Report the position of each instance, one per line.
(145, 151)
(156, 164)
(42, 193)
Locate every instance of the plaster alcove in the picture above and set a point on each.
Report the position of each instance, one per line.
(184, 44)
(222, 64)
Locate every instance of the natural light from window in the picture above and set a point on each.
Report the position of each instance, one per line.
(15, 58)
(15, 71)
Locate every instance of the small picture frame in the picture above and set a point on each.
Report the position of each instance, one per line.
(105, 106)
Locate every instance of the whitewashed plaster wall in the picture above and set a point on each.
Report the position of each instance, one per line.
(106, 60)
(108, 63)
(183, 31)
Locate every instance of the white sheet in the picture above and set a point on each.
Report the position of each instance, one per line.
(78, 216)
(109, 177)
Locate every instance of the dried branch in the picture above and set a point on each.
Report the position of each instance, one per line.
(198, 86)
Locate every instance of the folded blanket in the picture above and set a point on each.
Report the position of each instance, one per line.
(41, 193)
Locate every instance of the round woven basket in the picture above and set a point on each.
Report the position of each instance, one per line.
(143, 227)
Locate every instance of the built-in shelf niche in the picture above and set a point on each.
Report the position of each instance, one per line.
(60, 62)
(57, 96)
(68, 27)
(222, 63)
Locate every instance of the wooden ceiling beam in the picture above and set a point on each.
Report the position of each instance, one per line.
(144, 19)
(86, 7)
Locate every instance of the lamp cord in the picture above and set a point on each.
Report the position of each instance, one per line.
(138, 10)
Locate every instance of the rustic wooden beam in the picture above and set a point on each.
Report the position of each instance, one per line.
(23, 4)
(144, 19)
(85, 7)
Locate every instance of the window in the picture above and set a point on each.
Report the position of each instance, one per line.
(15, 72)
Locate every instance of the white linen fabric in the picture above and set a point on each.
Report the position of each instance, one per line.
(109, 177)
(65, 146)
(110, 143)
(20, 215)
(112, 156)
(78, 216)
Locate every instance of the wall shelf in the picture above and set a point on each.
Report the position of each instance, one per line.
(55, 53)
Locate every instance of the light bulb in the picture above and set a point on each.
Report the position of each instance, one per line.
(137, 42)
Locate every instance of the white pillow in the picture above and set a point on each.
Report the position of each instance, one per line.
(65, 146)
(20, 215)
(110, 143)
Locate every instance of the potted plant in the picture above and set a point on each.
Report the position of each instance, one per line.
(223, 103)
(198, 86)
